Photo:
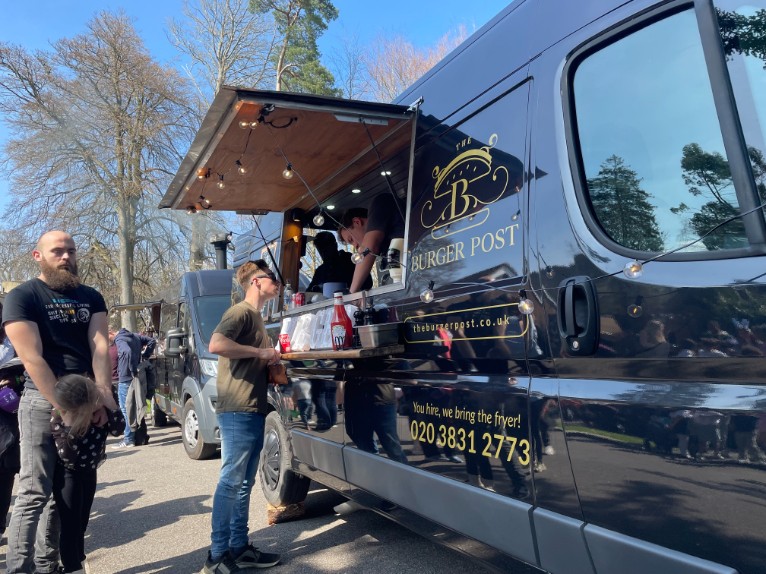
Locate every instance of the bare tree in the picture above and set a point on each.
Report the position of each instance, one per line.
(393, 64)
(97, 129)
(227, 43)
(347, 65)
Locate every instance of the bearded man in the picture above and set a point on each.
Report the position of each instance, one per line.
(57, 326)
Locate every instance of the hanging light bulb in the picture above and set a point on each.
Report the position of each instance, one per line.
(633, 270)
(427, 294)
(319, 219)
(526, 307)
(220, 183)
(240, 168)
(287, 173)
(356, 258)
(191, 210)
(635, 311)
(204, 202)
(244, 124)
(202, 173)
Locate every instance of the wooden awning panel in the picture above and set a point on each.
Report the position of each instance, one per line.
(327, 141)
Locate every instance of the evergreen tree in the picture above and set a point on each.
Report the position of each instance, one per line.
(622, 207)
(297, 59)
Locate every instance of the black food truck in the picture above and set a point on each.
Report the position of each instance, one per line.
(565, 364)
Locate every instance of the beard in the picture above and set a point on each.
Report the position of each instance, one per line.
(62, 278)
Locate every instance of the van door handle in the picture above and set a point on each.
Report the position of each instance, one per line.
(577, 316)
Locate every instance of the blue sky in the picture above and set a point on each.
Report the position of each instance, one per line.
(34, 24)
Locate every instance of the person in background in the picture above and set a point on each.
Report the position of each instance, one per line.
(10, 458)
(113, 359)
(57, 326)
(336, 266)
(370, 231)
(131, 349)
(245, 351)
(80, 447)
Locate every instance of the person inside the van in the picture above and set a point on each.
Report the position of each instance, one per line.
(336, 266)
(371, 231)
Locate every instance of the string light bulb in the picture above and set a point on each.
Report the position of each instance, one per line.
(287, 173)
(526, 307)
(203, 173)
(191, 210)
(356, 258)
(204, 202)
(319, 219)
(220, 183)
(244, 124)
(240, 168)
(633, 270)
(427, 294)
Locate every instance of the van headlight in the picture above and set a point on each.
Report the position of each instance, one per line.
(209, 367)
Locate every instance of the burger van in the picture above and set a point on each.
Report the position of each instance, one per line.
(567, 367)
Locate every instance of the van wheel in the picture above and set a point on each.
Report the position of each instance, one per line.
(159, 418)
(195, 447)
(280, 484)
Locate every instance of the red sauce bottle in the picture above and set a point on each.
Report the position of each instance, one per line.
(341, 329)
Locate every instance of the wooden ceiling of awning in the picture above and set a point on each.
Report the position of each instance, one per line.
(325, 152)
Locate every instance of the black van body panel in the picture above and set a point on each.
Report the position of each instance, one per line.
(568, 437)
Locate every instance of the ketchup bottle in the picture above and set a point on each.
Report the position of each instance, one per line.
(341, 329)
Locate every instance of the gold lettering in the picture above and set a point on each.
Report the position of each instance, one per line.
(459, 251)
(475, 242)
(431, 259)
(450, 253)
(440, 255)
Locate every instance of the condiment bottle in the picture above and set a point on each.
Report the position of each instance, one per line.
(288, 296)
(341, 329)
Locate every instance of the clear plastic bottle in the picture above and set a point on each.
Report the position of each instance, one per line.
(341, 329)
(288, 296)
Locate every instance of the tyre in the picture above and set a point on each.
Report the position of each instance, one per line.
(194, 445)
(159, 418)
(280, 484)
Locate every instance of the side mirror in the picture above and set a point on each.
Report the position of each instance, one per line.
(174, 342)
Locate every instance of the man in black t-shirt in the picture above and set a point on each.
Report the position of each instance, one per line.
(370, 231)
(57, 326)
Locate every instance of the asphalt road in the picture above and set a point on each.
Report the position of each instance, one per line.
(152, 514)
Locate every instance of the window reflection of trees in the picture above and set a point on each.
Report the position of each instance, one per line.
(624, 208)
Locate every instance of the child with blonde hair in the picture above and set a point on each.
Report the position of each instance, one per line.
(81, 448)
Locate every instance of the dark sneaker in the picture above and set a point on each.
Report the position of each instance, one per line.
(225, 565)
(251, 557)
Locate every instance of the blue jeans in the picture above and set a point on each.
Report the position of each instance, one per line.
(122, 394)
(33, 534)
(241, 444)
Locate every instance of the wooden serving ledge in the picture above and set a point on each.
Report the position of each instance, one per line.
(345, 354)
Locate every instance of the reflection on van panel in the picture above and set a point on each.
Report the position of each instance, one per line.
(578, 380)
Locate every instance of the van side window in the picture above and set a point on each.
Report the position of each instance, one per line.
(655, 169)
(738, 22)
(168, 318)
(467, 209)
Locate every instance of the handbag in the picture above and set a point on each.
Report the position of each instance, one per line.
(277, 374)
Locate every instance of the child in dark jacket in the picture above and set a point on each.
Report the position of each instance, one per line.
(81, 450)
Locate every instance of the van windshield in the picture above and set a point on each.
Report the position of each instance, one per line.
(210, 309)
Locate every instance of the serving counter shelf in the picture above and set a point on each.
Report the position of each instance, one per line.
(345, 354)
